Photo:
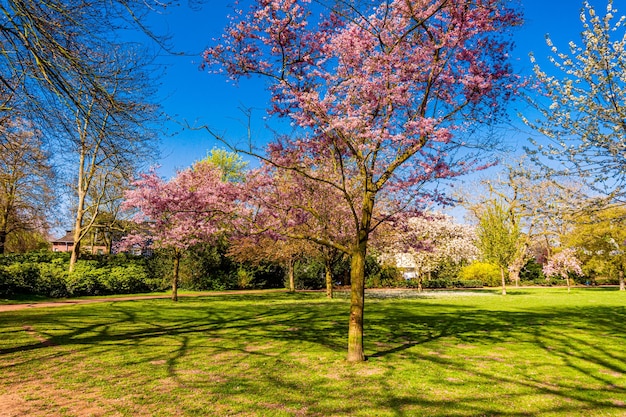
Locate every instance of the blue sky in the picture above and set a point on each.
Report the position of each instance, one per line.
(198, 98)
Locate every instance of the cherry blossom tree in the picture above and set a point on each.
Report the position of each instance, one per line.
(300, 215)
(195, 206)
(380, 95)
(562, 264)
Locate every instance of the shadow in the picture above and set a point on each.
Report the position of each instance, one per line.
(263, 347)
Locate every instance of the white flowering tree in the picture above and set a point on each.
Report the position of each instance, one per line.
(583, 112)
(563, 264)
(426, 241)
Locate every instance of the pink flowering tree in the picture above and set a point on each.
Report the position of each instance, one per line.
(382, 97)
(298, 213)
(562, 264)
(195, 206)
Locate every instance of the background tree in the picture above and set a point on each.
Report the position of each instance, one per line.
(428, 240)
(585, 102)
(498, 236)
(231, 164)
(193, 207)
(26, 180)
(599, 238)
(262, 248)
(298, 208)
(539, 206)
(68, 71)
(562, 264)
(377, 94)
(53, 50)
(110, 138)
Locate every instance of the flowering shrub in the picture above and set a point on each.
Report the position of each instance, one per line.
(563, 264)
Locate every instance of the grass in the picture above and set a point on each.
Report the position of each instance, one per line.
(534, 352)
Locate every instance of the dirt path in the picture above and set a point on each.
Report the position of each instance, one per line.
(70, 302)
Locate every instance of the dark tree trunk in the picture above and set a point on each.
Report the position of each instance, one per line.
(3, 240)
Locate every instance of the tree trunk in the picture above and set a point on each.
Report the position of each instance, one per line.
(621, 280)
(175, 277)
(420, 286)
(81, 191)
(567, 281)
(76, 236)
(503, 280)
(3, 240)
(357, 304)
(514, 275)
(290, 272)
(329, 278)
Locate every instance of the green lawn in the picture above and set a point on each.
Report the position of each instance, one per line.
(534, 352)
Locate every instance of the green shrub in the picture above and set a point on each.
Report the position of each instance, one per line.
(378, 275)
(53, 278)
(126, 279)
(532, 273)
(308, 275)
(488, 274)
(86, 279)
(244, 278)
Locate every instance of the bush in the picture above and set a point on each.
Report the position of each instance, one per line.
(308, 275)
(53, 278)
(86, 279)
(532, 273)
(486, 273)
(378, 275)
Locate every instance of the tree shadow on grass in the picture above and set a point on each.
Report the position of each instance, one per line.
(270, 330)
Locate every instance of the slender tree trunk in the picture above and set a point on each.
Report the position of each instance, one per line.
(420, 286)
(622, 287)
(78, 227)
(175, 277)
(290, 273)
(81, 190)
(567, 281)
(503, 280)
(329, 278)
(514, 275)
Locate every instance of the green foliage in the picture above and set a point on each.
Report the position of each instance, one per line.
(498, 234)
(244, 278)
(309, 274)
(231, 164)
(379, 275)
(486, 273)
(46, 274)
(449, 270)
(532, 273)
(440, 283)
(206, 267)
